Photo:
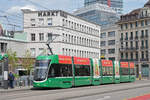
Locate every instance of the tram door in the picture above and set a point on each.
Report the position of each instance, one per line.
(145, 71)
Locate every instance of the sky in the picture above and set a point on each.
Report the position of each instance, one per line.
(12, 8)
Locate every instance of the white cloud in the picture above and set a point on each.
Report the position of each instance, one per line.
(130, 5)
(31, 7)
(139, 1)
(17, 9)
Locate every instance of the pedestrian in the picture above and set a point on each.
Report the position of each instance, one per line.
(11, 78)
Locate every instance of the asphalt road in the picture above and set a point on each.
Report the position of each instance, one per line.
(119, 95)
(102, 92)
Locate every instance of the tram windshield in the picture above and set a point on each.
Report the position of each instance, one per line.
(41, 69)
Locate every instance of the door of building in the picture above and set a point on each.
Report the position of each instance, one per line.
(145, 70)
(137, 71)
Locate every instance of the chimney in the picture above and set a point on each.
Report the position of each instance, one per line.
(109, 3)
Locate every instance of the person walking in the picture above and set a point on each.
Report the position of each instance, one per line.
(11, 78)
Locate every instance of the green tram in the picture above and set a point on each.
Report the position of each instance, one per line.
(58, 71)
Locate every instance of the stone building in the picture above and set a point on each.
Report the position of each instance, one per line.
(134, 31)
(77, 37)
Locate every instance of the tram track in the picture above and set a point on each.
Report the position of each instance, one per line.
(106, 88)
(92, 94)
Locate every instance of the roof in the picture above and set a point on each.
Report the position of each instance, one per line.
(30, 11)
(147, 4)
(136, 11)
(96, 6)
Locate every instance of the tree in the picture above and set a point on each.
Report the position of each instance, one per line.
(28, 62)
(12, 57)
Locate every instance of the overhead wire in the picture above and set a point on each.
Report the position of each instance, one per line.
(37, 4)
(21, 17)
(10, 14)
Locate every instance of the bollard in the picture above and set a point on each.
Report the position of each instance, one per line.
(140, 76)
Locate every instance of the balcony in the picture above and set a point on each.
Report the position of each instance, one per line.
(123, 59)
(142, 36)
(137, 48)
(129, 60)
(121, 39)
(144, 59)
(126, 38)
(136, 37)
(146, 36)
(132, 48)
(131, 38)
(122, 49)
(144, 47)
(129, 49)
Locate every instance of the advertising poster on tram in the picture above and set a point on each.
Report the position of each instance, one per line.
(96, 68)
(131, 64)
(107, 63)
(65, 59)
(116, 64)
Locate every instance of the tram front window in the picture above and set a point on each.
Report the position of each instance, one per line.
(41, 68)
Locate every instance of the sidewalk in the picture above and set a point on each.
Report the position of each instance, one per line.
(138, 83)
(15, 89)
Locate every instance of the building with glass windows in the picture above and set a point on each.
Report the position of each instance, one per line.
(109, 42)
(134, 31)
(98, 13)
(116, 5)
(75, 36)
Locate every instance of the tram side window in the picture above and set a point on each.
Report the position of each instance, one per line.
(60, 70)
(132, 71)
(82, 70)
(125, 71)
(107, 71)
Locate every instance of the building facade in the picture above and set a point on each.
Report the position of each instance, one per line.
(16, 42)
(135, 39)
(98, 13)
(75, 36)
(109, 42)
(116, 5)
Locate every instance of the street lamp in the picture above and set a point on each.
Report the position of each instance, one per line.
(5, 67)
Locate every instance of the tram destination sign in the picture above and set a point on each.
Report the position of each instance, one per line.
(51, 13)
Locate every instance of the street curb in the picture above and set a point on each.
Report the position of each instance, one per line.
(15, 90)
(102, 92)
